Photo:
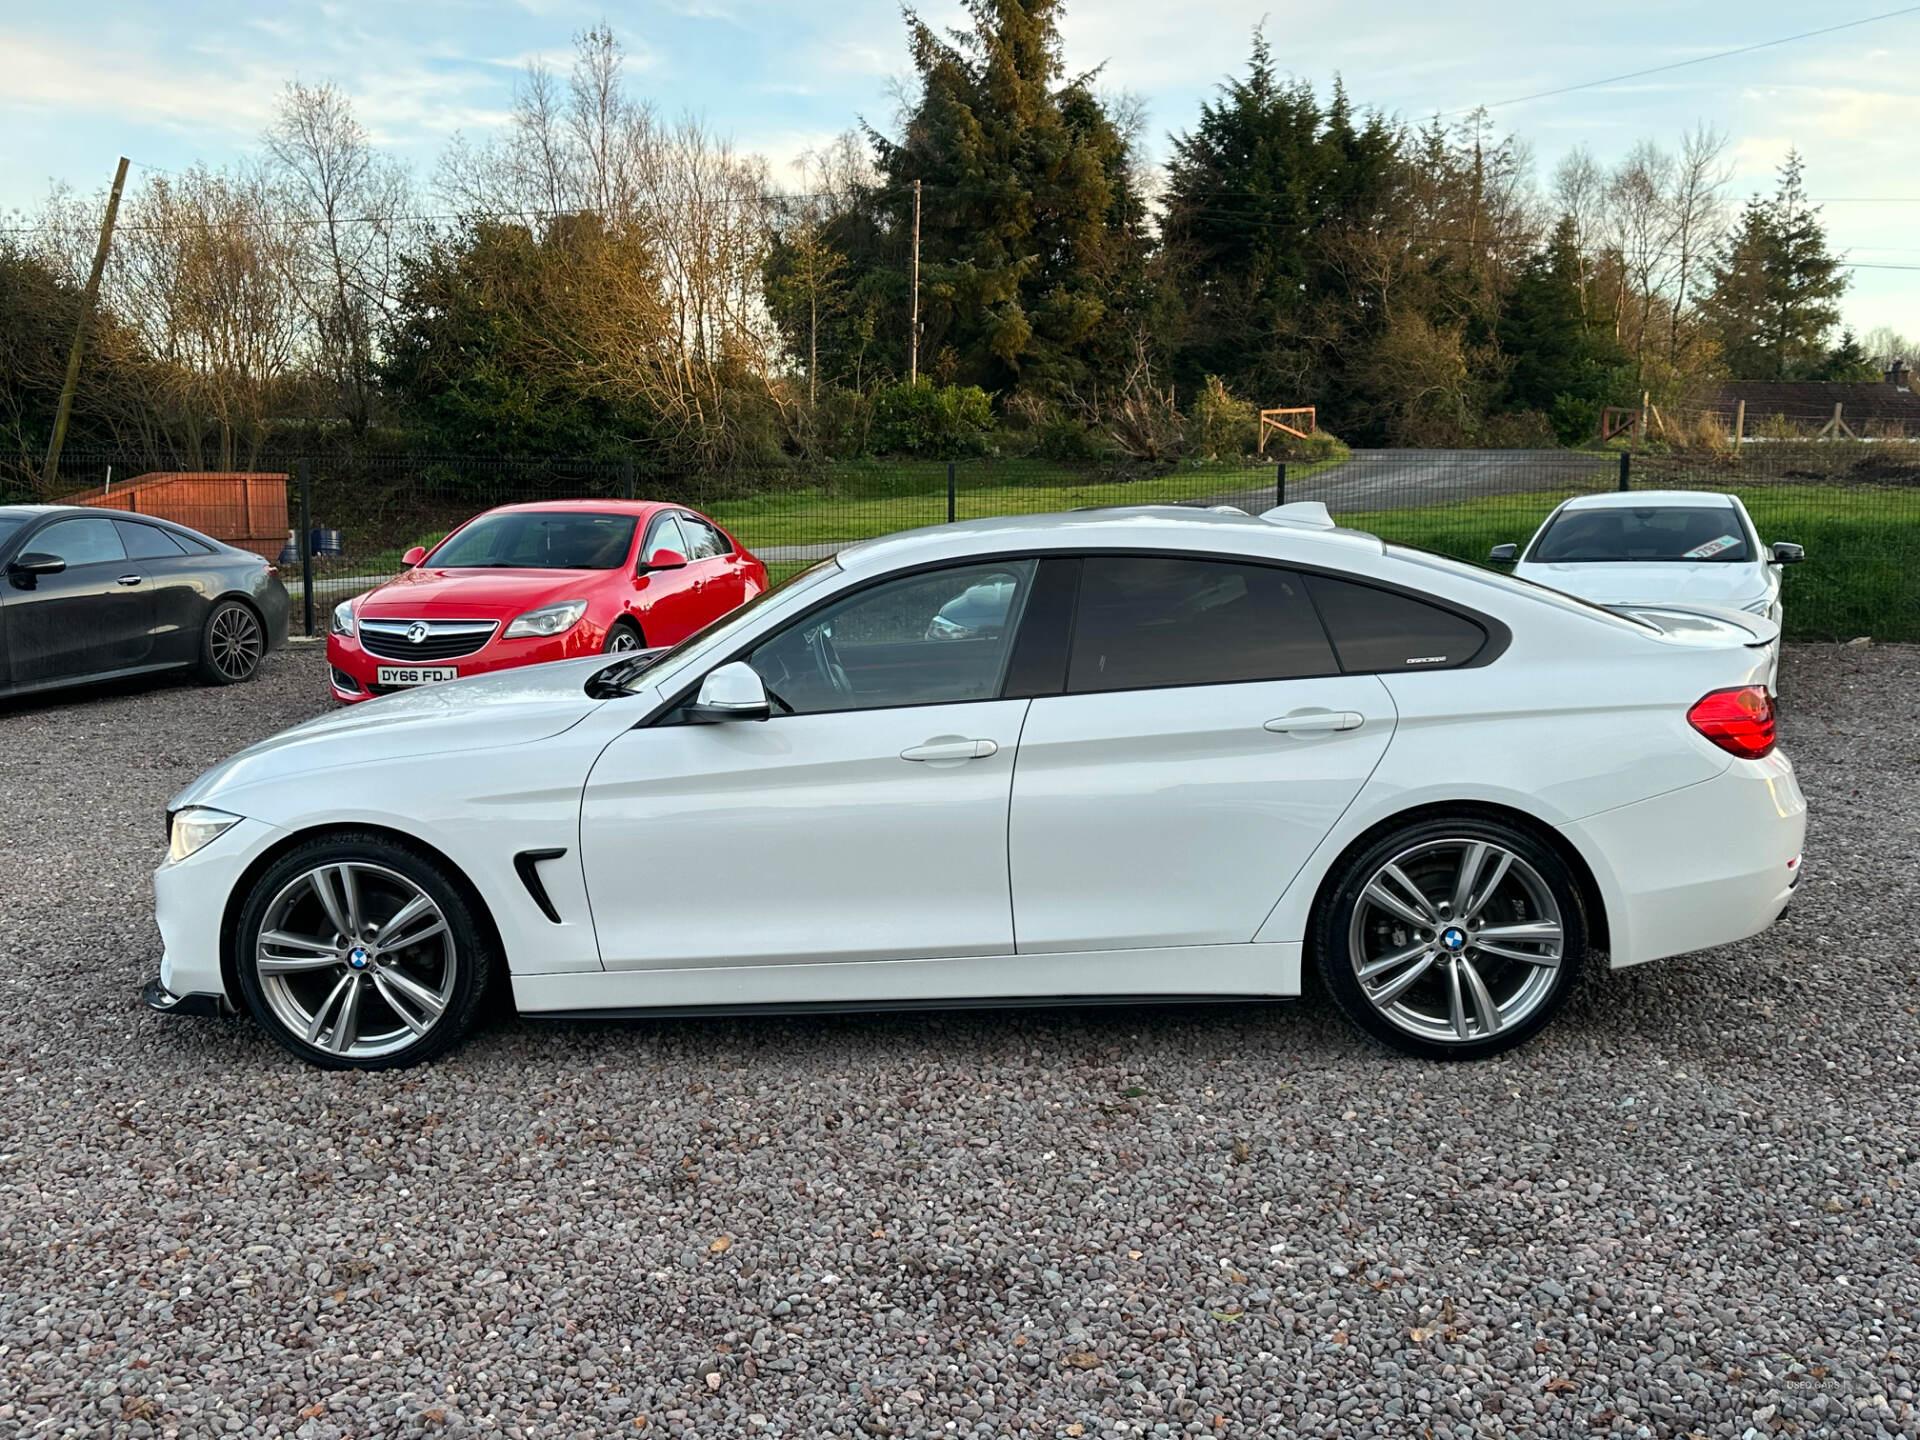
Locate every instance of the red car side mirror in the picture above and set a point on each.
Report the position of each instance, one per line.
(667, 560)
(414, 556)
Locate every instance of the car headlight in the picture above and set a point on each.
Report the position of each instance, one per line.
(343, 619)
(195, 828)
(548, 620)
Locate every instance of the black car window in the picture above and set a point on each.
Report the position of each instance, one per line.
(147, 542)
(79, 542)
(1380, 631)
(891, 645)
(706, 541)
(1149, 621)
(664, 534)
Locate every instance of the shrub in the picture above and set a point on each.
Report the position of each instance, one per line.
(943, 421)
(1220, 424)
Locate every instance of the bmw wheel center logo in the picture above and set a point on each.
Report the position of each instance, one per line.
(357, 958)
(1453, 938)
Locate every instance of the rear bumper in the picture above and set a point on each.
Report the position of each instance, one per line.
(1697, 867)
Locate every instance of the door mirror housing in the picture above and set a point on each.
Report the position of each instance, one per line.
(1504, 554)
(1785, 552)
(732, 692)
(414, 556)
(666, 560)
(31, 564)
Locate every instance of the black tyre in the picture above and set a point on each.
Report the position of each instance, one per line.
(1451, 938)
(233, 642)
(623, 635)
(357, 952)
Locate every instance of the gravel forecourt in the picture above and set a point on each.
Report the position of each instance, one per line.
(1687, 1209)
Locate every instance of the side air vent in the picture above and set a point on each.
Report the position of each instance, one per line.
(527, 865)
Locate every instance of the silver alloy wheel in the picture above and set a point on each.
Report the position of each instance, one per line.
(622, 639)
(356, 958)
(1456, 940)
(235, 642)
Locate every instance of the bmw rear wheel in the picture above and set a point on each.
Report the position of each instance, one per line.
(359, 953)
(1452, 939)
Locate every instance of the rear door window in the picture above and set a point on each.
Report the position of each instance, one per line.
(1148, 622)
(1382, 631)
(707, 543)
(147, 542)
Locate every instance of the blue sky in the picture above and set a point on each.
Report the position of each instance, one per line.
(170, 81)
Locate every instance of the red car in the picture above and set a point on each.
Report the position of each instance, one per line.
(549, 581)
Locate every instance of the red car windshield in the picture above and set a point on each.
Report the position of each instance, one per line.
(538, 540)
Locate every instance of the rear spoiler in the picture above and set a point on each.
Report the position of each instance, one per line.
(1670, 619)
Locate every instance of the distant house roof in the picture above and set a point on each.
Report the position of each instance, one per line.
(1887, 401)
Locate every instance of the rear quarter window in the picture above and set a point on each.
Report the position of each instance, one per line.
(1382, 631)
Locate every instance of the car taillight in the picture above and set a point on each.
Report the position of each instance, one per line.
(273, 571)
(1739, 721)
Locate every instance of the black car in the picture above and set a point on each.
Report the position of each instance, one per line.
(94, 594)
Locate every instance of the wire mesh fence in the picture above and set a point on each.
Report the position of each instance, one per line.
(1854, 505)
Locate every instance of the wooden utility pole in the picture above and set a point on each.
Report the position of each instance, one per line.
(87, 303)
(913, 339)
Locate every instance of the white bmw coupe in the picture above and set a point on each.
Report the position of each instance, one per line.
(1152, 754)
(1659, 547)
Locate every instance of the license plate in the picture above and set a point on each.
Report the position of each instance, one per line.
(416, 674)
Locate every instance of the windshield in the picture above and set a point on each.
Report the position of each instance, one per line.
(1618, 533)
(538, 540)
(628, 674)
(9, 526)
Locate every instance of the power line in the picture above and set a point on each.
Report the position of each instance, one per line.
(1697, 60)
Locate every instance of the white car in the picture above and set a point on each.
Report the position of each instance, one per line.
(1202, 752)
(1659, 547)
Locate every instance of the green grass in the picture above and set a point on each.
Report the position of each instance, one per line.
(1861, 575)
(857, 502)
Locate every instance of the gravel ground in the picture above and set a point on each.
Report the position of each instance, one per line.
(1688, 1209)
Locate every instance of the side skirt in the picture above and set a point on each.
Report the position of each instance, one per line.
(1176, 974)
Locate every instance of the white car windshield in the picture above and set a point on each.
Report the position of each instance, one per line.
(1688, 534)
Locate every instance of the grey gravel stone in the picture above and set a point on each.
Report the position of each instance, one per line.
(1241, 1220)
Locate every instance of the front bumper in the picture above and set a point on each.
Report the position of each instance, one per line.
(156, 996)
(353, 673)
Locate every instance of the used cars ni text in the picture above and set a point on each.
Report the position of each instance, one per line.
(94, 594)
(524, 584)
(1145, 753)
(1658, 547)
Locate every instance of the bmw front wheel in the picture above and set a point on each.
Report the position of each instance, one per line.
(359, 953)
(1452, 938)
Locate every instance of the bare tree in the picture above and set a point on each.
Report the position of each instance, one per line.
(1580, 193)
(200, 273)
(343, 208)
(1697, 218)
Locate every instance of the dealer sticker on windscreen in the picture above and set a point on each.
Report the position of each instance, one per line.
(416, 674)
(1711, 548)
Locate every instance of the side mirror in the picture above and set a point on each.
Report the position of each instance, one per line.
(414, 556)
(1504, 554)
(732, 692)
(667, 560)
(30, 565)
(1785, 552)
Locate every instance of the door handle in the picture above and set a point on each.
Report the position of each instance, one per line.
(1306, 722)
(131, 579)
(951, 750)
